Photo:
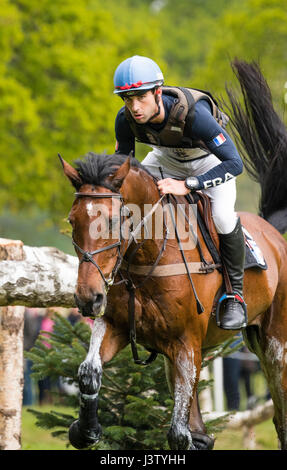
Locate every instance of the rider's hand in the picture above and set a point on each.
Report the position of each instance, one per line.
(171, 186)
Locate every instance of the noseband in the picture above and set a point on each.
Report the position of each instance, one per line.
(88, 255)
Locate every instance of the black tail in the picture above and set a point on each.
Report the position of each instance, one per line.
(261, 137)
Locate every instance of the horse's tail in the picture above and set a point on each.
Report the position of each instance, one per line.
(261, 137)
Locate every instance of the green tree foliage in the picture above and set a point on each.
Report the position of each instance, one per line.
(57, 64)
(188, 32)
(258, 31)
(135, 405)
(56, 88)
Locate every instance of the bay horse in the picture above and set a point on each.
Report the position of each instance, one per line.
(167, 320)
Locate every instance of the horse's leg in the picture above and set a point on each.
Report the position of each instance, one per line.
(269, 342)
(105, 342)
(200, 439)
(183, 368)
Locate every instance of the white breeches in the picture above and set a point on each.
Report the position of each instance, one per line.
(222, 197)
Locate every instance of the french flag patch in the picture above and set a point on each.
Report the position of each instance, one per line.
(219, 139)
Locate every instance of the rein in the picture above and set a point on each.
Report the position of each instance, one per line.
(131, 288)
(199, 306)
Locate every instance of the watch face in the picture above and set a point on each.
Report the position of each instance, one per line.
(191, 182)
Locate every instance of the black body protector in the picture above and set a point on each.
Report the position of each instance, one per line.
(176, 132)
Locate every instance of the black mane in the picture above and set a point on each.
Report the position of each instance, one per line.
(95, 168)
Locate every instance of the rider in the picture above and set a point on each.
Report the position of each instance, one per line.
(185, 128)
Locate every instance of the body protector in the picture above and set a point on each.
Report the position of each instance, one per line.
(177, 131)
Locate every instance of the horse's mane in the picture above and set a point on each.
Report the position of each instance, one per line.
(95, 168)
(260, 135)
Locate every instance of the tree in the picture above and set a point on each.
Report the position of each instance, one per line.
(58, 60)
(258, 31)
(11, 360)
(188, 30)
(56, 86)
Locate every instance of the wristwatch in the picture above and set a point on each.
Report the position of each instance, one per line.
(192, 183)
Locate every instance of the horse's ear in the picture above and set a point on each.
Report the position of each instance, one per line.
(71, 173)
(118, 177)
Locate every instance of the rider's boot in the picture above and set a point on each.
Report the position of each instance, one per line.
(232, 248)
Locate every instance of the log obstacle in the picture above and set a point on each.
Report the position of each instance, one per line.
(44, 277)
(247, 418)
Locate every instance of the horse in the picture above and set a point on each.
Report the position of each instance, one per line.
(167, 319)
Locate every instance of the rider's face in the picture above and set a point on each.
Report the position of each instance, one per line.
(141, 107)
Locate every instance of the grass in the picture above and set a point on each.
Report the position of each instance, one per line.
(264, 434)
(35, 438)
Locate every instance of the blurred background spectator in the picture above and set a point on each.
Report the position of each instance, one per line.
(238, 367)
(32, 326)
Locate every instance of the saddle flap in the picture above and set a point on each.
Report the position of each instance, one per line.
(206, 224)
(204, 208)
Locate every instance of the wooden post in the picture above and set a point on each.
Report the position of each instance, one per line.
(249, 438)
(11, 360)
(205, 397)
(218, 389)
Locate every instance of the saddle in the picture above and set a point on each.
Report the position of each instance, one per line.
(253, 255)
(206, 225)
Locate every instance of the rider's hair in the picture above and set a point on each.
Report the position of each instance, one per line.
(139, 92)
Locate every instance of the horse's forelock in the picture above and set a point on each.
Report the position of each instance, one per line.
(95, 168)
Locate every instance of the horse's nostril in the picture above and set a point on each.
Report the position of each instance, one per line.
(90, 305)
(77, 301)
(98, 300)
(85, 307)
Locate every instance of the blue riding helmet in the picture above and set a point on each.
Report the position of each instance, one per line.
(135, 74)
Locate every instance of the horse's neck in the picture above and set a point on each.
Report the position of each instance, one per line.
(161, 234)
(144, 198)
(141, 187)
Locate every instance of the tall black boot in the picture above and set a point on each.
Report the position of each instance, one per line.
(232, 248)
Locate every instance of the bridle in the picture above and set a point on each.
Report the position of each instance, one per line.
(88, 256)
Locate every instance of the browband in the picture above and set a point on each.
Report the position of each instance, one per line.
(99, 195)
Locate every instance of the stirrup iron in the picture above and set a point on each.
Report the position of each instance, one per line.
(236, 297)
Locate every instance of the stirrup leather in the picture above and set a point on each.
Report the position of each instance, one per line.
(236, 298)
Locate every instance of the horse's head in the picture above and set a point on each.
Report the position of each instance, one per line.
(97, 219)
